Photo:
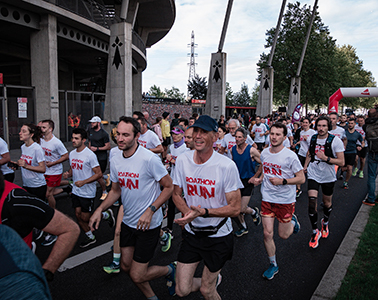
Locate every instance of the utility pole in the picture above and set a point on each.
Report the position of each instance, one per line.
(192, 64)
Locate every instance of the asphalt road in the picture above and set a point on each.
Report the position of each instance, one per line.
(301, 268)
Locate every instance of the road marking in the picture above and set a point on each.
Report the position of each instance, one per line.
(88, 255)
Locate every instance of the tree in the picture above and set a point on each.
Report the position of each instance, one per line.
(197, 87)
(229, 95)
(175, 93)
(255, 95)
(242, 98)
(156, 92)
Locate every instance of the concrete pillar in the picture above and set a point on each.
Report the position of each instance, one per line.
(265, 102)
(119, 87)
(137, 91)
(295, 94)
(216, 92)
(44, 70)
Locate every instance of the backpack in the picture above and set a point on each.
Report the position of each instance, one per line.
(371, 135)
(327, 147)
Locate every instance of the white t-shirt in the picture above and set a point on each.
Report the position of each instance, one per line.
(286, 143)
(114, 151)
(175, 152)
(32, 156)
(229, 141)
(283, 164)
(149, 140)
(257, 130)
(4, 149)
(289, 132)
(319, 170)
(82, 164)
(362, 132)
(305, 141)
(53, 149)
(339, 132)
(138, 177)
(206, 185)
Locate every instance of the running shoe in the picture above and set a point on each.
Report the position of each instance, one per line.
(345, 185)
(341, 177)
(166, 245)
(107, 179)
(241, 232)
(325, 230)
(219, 280)
(88, 241)
(38, 234)
(368, 203)
(361, 175)
(110, 219)
(49, 240)
(315, 237)
(297, 226)
(104, 195)
(113, 268)
(256, 218)
(116, 203)
(299, 192)
(34, 247)
(355, 170)
(171, 279)
(269, 274)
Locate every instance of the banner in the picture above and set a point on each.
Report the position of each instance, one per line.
(296, 114)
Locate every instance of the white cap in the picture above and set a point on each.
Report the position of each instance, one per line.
(95, 119)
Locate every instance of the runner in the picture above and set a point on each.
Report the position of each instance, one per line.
(246, 157)
(148, 139)
(84, 170)
(211, 186)
(351, 149)
(136, 176)
(325, 151)
(189, 142)
(361, 154)
(4, 160)
(99, 143)
(304, 143)
(259, 131)
(282, 170)
(55, 154)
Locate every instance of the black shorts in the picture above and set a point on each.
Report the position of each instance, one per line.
(260, 146)
(362, 153)
(167, 141)
(302, 159)
(144, 242)
(103, 164)
(39, 192)
(214, 251)
(9, 177)
(86, 204)
(350, 158)
(248, 188)
(327, 188)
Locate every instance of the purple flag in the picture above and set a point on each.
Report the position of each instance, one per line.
(296, 115)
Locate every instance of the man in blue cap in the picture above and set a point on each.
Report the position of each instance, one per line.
(211, 184)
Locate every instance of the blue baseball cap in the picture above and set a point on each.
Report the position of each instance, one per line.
(206, 123)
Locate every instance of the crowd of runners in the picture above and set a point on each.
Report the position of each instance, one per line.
(204, 169)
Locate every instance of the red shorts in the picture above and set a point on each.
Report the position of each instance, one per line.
(53, 180)
(283, 212)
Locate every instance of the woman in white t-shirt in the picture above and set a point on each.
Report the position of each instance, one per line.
(222, 132)
(32, 161)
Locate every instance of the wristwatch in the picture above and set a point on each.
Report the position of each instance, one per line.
(284, 181)
(206, 215)
(153, 208)
(328, 159)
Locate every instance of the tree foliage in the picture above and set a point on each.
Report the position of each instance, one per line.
(242, 98)
(197, 87)
(175, 93)
(156, 92)
(325, 67)
(229, 94)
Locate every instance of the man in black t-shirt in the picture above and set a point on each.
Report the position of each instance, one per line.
(22, 212)
(99, 143)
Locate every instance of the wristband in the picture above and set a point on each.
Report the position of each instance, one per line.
(206, 215)
(328, 159)
(284, 181)
(49, 275)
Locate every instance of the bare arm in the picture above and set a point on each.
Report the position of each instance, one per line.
(97, 174)
(68, 232)
(63, 158)
(5, 158)
(41, 168)
(298, 179)
(222, 150)
(158, 149)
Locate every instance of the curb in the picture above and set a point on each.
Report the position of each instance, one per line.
(333, 277)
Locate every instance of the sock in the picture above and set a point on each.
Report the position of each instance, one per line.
(314, 221)
(244, 225)
(90, 235)
(170, 270)
(327, 212)
(105, 215)
(153, 298)
(116, 258)
(272, 260)
(164, 237)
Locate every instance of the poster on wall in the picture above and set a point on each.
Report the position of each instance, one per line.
(22, 108)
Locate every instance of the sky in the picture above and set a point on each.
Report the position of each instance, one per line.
(351, 22)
